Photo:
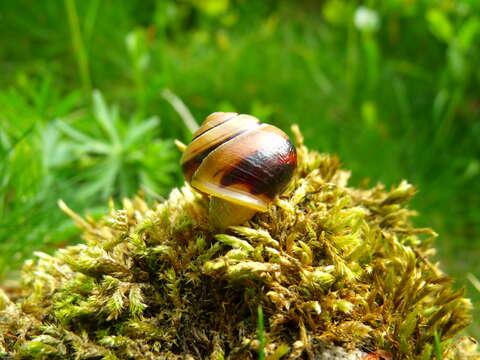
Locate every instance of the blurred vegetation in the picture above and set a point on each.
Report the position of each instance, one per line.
(389, 86)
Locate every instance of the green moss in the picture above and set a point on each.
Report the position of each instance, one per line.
(328, 264)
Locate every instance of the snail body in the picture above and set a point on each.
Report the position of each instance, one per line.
(240, 161)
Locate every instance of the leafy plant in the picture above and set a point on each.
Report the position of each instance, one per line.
(42, 161)
(116, 158)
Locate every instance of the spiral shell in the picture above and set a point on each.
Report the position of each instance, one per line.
(236, 158)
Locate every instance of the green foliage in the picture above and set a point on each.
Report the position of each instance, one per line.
(390, 86)
(118, 156)
(45, 161)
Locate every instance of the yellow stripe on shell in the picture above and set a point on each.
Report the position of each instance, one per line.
(243, 198)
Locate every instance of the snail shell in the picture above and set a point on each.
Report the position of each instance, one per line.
(238, 159)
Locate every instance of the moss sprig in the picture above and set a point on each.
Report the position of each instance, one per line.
(334, 268)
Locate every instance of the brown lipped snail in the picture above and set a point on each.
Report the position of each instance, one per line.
(240, 163)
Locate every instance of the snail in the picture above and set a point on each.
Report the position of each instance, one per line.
(240, 163)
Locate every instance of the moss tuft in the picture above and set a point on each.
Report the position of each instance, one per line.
(328, 265)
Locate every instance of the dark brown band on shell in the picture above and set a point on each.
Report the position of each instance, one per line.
(265, 171)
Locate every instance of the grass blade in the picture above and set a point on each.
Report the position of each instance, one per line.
(261, 334)
(78, 45)
(181, 109)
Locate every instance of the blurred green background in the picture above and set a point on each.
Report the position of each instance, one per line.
(90, 91)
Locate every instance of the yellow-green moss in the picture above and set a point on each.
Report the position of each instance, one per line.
(328, 264)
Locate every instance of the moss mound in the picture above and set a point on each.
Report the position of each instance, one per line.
(327, 264)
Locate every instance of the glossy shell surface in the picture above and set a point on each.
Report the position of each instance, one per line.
(238, 159)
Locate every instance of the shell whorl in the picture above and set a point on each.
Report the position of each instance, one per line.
(236, 158)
